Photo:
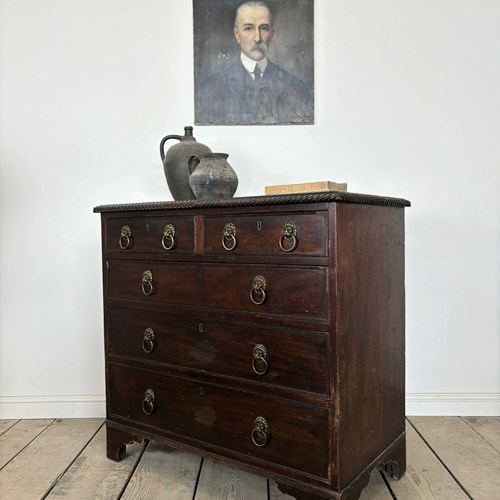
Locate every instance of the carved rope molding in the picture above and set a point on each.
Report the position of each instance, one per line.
(283, 199)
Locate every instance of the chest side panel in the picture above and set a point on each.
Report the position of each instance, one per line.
(370, 340)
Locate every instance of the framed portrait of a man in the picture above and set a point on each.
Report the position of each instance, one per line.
(254, 62)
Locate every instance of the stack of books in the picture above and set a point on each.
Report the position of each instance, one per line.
(306, 187)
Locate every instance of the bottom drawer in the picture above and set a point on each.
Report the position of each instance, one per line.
(283, 432)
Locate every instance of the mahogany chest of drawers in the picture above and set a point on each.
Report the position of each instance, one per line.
(265, 332)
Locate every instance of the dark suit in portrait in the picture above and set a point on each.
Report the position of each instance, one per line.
(233, 96)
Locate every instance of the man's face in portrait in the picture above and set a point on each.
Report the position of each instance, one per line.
(253, 31)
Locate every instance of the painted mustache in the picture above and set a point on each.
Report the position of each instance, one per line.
(258, 46)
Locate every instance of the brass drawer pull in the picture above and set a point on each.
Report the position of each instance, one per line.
(288, 239)
(258, 292)
(125, 237)
(260, 360)
(260, 432)
(148, 286)
(149, 342)
(168, 239)
(149, 402)
(229, 236)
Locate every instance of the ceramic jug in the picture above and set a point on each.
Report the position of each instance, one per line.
(175, 162)
(212, 176)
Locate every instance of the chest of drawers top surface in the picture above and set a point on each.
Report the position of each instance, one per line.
(258, 201)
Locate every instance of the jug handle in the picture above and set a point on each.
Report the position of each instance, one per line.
(193, 158)
(164, 140)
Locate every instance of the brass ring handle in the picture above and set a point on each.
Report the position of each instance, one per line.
(229, 234)
(147, 283)
(260, 432)
(149, 402)
(168, 239)
(125, 237)
(260, 358)
(289, 232)
(293, 245)
(258, 292)
(148, 342)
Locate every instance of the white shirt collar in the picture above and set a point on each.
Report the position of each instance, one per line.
(250, 64)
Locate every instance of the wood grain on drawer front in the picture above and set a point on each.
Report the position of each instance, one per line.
(290, 290)
(295, 358)
(297, 433)
(146, 235)
(261, 234)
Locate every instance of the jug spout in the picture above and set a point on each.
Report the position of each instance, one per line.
(188, 132)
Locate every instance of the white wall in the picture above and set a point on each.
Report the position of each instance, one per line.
(407, 104)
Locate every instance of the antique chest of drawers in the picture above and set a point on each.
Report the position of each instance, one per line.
(265, 332)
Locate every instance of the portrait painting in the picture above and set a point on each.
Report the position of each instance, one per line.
(254, 62)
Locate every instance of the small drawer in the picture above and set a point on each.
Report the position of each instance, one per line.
(291, 358)
(161, 235)
(280, 290)
(283, 432)
(262, 234)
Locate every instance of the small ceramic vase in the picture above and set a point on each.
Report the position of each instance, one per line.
(212, 176)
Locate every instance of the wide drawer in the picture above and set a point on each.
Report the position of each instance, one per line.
(263, 234)
(293, 291)
(153, 235)
(284, 432)
(284, 357)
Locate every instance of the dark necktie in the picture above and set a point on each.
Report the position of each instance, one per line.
(257, 73)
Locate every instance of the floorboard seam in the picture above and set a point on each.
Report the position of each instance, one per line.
(9, 428)
(27, 444)
(60, 476)
(198, 478)
(441, 461)
(132, 471)
(388, 485)
(479, 434)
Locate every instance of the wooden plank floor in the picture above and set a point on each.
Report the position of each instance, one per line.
(449, 458)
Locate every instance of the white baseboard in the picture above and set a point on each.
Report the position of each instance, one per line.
(52, 407)
(464, 404)
(451, 404)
